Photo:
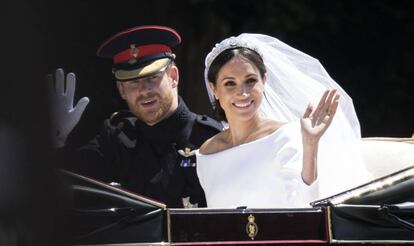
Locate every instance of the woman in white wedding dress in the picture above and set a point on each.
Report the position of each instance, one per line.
(277, 150)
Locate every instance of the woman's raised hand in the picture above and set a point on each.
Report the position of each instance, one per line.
(315, 121)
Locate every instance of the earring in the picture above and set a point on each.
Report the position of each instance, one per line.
(216, 97)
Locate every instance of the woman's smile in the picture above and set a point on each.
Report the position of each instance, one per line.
(243, 104)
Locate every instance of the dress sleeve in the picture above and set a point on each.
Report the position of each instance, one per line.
(290, 158)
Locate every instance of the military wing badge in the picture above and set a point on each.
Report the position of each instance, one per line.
(188, 157)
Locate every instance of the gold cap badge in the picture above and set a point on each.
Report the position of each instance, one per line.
(134, 51)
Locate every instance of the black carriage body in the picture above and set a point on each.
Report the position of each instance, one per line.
(380, 212)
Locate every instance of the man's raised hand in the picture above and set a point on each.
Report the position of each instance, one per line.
(64, 115)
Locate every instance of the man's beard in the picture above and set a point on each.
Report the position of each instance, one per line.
(154, 116)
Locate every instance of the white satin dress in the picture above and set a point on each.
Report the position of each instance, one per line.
(265, 173)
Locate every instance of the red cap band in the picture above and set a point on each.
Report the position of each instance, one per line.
(140, 51)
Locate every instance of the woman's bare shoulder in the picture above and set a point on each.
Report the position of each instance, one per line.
(214, 144)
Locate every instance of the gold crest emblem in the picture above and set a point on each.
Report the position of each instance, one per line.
(251, 227)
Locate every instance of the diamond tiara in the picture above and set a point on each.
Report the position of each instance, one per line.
(229, 43)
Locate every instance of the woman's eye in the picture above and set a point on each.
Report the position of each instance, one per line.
(251, 81)
(229, 83)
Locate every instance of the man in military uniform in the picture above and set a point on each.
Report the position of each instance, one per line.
(148, 149)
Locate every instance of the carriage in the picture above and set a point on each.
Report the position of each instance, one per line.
(379, 212)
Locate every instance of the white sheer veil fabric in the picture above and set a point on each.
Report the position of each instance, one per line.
(295, 79)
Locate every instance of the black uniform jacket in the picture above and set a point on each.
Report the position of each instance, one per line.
(155, 161)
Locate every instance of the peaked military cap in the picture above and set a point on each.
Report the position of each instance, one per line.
(140, 51)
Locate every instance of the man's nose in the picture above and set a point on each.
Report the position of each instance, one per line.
(146, 84)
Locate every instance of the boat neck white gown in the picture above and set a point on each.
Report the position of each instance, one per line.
(264, 173)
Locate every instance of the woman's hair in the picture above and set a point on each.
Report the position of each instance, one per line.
(225, 56)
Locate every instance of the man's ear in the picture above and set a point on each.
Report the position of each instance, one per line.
(121, 90)
(174, 75)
